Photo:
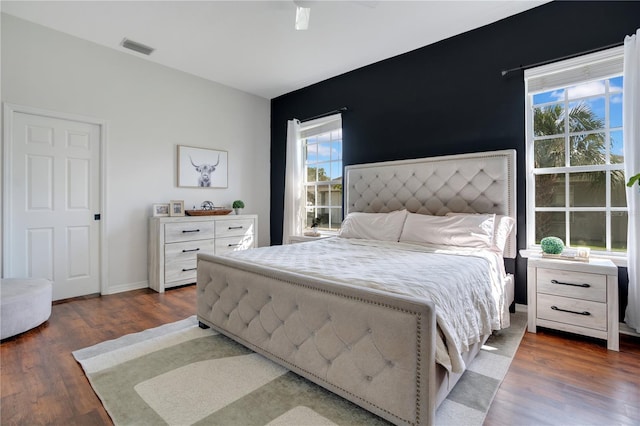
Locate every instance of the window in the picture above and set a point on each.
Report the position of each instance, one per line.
(322, 150)
(576, 183)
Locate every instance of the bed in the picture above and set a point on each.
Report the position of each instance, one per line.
(357, 313)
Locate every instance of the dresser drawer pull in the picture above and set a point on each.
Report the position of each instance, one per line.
(233, 245)
(187, 251)
(574, 285)
(585, 313)
(236, 227)
(189, 269)
(190, 230)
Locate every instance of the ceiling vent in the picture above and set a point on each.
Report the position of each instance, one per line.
(138, 47)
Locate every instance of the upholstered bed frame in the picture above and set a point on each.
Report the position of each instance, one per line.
(262, 308)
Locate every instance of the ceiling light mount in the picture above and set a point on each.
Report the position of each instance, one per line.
(303, 13)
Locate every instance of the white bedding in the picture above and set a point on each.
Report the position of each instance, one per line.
(466, 286)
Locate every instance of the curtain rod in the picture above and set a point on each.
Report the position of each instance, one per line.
(335, 111)
(586, 52)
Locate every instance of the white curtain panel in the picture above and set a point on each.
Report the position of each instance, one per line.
(292, 221)
(631, 123)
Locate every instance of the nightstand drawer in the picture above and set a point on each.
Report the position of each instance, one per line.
(583, 313)
(578, 285)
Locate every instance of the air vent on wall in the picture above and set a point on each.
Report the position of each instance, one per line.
(138, 47)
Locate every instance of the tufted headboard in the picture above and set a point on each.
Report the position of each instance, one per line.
(483, 182)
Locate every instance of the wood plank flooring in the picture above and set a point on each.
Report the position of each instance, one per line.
(555, 379)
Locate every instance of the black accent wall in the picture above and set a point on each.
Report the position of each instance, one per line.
(450, 97)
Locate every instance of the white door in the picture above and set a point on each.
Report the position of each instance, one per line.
(54, 195)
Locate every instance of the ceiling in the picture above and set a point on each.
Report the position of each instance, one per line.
(253, 45)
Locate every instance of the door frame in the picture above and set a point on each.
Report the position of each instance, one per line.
(9, 110)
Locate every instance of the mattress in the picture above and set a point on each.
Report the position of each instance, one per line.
(466, 286)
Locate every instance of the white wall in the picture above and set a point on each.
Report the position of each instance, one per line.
(150, 109)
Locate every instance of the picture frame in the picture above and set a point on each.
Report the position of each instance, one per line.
(160, 209)
(176, 208)
(202, 167)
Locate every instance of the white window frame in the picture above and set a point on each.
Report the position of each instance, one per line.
(309, 129)
(563, 74)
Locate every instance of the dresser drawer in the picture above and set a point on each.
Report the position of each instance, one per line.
(188, 231)
(176, 252)
(180, 270)
(227, 244)
(228, 228)
(578, 285)
(584, 313)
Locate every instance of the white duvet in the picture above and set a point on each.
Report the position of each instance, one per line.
(465, 285)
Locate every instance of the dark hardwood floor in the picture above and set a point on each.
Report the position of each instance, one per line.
(555, 379)
(563, 379)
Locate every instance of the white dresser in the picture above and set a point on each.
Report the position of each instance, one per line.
(577, 297)
(174, 244)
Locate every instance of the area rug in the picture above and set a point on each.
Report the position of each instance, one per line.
(180, 374)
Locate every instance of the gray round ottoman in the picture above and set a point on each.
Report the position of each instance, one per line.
(24, 304)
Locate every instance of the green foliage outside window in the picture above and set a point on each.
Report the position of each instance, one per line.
(587, 146)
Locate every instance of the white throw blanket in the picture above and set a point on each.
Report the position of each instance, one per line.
(465, 285)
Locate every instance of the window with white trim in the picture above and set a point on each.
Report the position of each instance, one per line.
(322, 150)
(575, 161)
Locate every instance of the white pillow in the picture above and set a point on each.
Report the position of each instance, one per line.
(503, 227)
(461, 231)
(373, 226)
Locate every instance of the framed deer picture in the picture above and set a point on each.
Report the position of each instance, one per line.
(202, 167)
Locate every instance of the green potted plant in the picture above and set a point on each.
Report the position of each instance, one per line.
(633, 179)
(238, 205)
(552, 245)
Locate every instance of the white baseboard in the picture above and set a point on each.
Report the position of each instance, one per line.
(126, 287)
(521, 308)
(625, 329)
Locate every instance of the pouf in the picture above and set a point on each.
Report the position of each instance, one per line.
(24, 304)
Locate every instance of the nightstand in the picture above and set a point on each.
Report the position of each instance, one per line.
(572, 296)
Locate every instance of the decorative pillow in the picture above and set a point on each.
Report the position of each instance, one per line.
(373, 226)
(503, 227)
(461, 231)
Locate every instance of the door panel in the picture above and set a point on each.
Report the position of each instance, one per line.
(39, 179)
(39, 253)
(54, 194)
(79, 251)
(78, 184)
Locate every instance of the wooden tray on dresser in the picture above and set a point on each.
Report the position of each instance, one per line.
(214, 212)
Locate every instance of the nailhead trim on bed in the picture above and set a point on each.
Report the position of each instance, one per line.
(210, 306)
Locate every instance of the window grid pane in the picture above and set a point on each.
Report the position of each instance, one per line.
(579, 126)
(323, 164)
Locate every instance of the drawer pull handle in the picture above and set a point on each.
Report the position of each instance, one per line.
(190, 269)
(187, 251)
(190, 230)
(233, 245)
(574, 285)
(236, 227)
(585, 313)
